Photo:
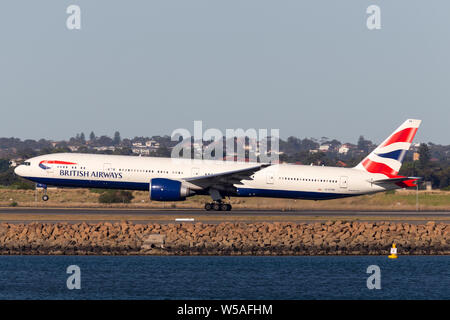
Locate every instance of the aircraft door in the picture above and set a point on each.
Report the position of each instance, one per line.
(106, 168)
(269, 177)
(343, 182)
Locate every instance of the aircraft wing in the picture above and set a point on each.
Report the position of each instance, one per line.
(225, 179)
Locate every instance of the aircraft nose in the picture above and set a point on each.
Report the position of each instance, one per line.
(19, 170)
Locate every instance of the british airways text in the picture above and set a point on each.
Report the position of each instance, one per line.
(90, 174)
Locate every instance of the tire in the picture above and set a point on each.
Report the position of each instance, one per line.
(224, 207)
(216, 207)
(229, 207)
(208, 206)
(45, 197)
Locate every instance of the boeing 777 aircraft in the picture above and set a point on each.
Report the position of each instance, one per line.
(170, 179)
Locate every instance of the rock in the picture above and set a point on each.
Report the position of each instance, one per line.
(226, 238)
(154, 241)
(345, 236)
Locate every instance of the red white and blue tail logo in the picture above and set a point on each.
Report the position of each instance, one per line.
(388, 156)
(46, 164)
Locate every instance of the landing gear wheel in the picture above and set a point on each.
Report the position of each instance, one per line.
(217, 206)
(45, 197)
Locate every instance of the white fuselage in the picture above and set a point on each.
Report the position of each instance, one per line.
(135, 173)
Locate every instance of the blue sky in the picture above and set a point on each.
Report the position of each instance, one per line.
(308, 68)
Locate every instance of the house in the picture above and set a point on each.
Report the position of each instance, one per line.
(152, 144)
(141, 151)
(324, 147)
(344, 149)
(415, 146)
(341, 164)
(111, 148)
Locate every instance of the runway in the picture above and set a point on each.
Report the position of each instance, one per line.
(75, 215)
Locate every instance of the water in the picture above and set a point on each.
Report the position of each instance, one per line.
(139, 277)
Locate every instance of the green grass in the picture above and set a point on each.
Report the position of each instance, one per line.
(401, 200)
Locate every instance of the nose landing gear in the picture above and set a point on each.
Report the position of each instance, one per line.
(45, 197)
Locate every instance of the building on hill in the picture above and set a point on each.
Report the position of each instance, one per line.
(141, 151)
(324, 148)
(341, 164)
(344, 149)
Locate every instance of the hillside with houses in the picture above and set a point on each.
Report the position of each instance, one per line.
(428, 160)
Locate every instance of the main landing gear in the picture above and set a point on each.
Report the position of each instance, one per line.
(217, 206)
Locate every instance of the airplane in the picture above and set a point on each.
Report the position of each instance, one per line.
(169, 179)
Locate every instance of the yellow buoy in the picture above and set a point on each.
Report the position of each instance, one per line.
(393, 254)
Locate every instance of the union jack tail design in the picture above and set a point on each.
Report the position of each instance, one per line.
(388, 156)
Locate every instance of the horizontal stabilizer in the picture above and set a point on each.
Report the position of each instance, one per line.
(400, 181)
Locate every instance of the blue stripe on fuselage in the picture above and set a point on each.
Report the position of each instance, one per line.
(289, 194)
(241, 192)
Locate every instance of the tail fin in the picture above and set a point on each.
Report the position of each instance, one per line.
(388, 156)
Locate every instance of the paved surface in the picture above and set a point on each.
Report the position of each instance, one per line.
(26, 215)
(235, 212)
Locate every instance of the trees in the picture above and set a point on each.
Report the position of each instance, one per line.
(364, 144)
(316, 158)
(9, 178)
(116, 139)
(437, 172)
(4, 165)
(26, 153)
(114, 196)
(79, 139)
(424, 155)
(125, 151)
(92, 136)
(82, 138)
(334, 144)
(104, 141)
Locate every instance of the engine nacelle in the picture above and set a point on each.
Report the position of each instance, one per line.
(168, 190)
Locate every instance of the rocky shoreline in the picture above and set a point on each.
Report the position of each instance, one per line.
(125, 238)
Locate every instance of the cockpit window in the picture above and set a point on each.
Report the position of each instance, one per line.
(26, 163)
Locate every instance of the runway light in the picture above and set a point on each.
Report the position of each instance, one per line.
(184, 219)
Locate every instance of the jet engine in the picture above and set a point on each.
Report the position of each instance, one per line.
(168, 190)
